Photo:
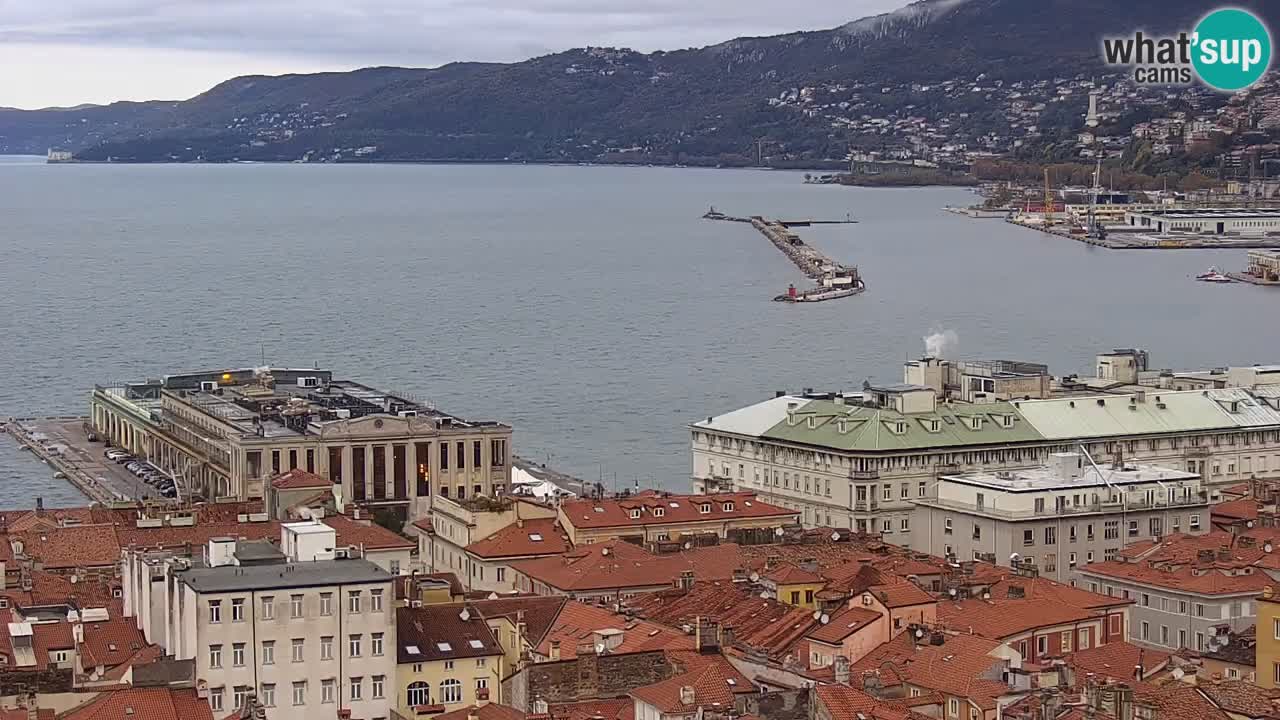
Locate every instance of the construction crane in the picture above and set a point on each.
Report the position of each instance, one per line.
(1048, 200)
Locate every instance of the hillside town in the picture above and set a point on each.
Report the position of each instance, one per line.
(982, 540)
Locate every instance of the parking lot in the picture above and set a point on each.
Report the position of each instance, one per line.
(66, 440)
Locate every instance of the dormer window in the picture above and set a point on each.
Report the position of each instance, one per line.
(1006, 421)
(704, 508)
(727, 507)
(659, 511)
(813, 422)
(934, 425)
(635, 513)
(975, 422)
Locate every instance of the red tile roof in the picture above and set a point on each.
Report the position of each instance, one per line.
(788, 574)
(1117, 660)
(660, 509)
(1235, 510)
(618, 709)
(845, 703)
(959, 667)
(368, 535)
(440, 632)
(602, 566)
(21, 714)
(843, 624)
(715, 685)
(537, 612)
(1002, 618)
(88, 546)
(530, 538)
(488, 711)
(299, 479)
(140, 703)
(1243, 698)
(110, 643)
(576, 623)
(901, 594)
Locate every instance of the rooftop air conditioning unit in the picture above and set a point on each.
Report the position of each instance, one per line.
(208, 385)
(309, 381)
(408, 413)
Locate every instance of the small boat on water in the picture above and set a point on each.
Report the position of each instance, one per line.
(1213, 276)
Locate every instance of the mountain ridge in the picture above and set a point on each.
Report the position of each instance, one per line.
(704, 104)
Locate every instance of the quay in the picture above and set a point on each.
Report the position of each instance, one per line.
(835, 280)
(62, 442)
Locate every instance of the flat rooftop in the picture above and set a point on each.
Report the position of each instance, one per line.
(1212, 213)
(1048, 478)
(245, 578)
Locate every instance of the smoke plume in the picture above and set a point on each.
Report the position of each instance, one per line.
(937, 342)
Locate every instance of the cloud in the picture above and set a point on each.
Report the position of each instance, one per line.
(344, 34)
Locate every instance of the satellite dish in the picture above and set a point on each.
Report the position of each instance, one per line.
(920, 631)
(1268, 547)
(464, 615)
(778, 532)
(817, 614)
(1249, 524)
(1013, 557)
(824, 619)
(687, 545)
(755, 577)
(764, 594)
(493, 596)
(835, 536)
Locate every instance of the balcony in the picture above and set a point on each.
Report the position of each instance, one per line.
(1197, 452)
(864, 474)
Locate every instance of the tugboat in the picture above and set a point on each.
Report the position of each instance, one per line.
(1213, 276)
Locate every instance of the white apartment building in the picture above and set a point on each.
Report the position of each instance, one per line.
(861, 460)
(310, 633)
(1059, 517)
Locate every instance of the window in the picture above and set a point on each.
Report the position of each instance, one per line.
(920, 490)
(953, 707)
(887, 525)
(1071, 560)
(1039, 505)
(418, 694)
(482, 684)
(215, 698)
(977, 531)
(1133, 528)
(237, 610)
(327, 687)
(1111, 530)
(1199, 610)
(450, 691)
(946, 526)
(268, 607)
(795, 597)
(635, 513)
(1182, 638)
(357, 688)
(480, 662)
(704, 508)
(888, 492)
(905, 525)
(353, 601)
(1164, 635)
(215, 611)
(375, 644)
(376, 686)
(905, 491)
(300, 693)
(1083, 643)
(502, 574)
(215, 656)
(353, 643)
(1066, 641)
(295, 606)
(1042, 645)
(1275, 628)
(1194, 521)
(326, 603)
(1028, 537)
(727, 507)
(395, 568)
(239, 695)
(1051, 535)
(1146, 600)
(326, 647)
(268, 694)
(1146, 630)
(297, 649)
(237, 654)
(268, 652)
(375, 601)
(1235, 609)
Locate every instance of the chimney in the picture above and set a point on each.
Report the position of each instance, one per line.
(726, 636)
(39, 505)
(842, 670)
(707, 635)
(555, 650)
(686, 695)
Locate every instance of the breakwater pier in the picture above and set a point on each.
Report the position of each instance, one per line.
(835, 280)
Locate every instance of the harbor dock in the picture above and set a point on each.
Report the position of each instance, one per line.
(62, 443)
(835, 280)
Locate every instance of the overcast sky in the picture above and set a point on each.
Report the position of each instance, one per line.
(66, 52)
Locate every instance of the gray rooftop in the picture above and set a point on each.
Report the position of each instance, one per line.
(244, 578)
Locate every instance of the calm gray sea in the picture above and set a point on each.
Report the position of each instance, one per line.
(590, 307)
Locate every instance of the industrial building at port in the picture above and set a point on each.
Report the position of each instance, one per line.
(223, 433)
(864, 459)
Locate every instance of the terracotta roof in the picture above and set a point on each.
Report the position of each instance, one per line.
(196, 535)
(110, 643)
(299, 479)
(600, 566)
(577, 622)
(50, 588)
(1176, 700)
(538, 612)
(70, 547)
(1243, 698)
(1235, 510)
(757, 623)
(1001, 618)
(439, 632)
(957, 667)
(788, 574)
(148, 703)
(368, 535)
(1117, 660)
(619, 709)
(531, 538)
(1186, 578)
(715, 685)
(901, 594)
(843, 624)
(488, 711)
(845, 703)
(424, 524)
(659, 509)
(1051, 591)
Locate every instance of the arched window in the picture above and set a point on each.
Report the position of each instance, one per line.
(450, 691)
(419, 693)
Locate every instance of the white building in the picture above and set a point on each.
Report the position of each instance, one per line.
(1059, 517)
(310, 633)
(1250, 222)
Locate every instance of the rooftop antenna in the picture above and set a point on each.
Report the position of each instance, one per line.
(263, 346)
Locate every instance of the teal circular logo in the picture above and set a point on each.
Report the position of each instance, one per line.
(1231, 49)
